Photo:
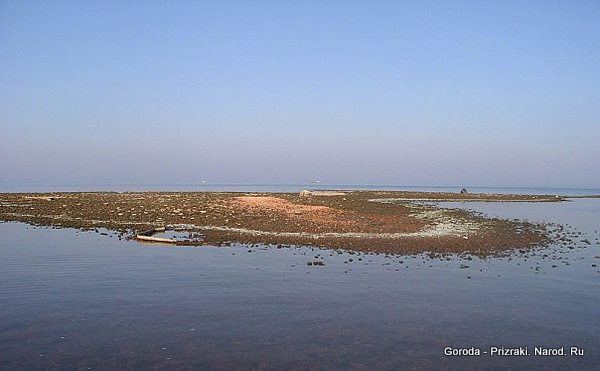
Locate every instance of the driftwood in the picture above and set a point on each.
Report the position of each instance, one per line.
(155, 239)
(147, 236)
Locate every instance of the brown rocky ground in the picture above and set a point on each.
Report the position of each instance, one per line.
(353, 221)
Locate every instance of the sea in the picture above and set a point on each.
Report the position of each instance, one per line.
(79, 300)
(285, 188)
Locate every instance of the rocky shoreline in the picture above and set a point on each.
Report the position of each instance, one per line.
(372, 221)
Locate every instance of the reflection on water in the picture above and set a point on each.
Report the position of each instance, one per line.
(78, 300)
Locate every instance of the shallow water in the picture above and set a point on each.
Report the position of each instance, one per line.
(583, 214)
(82, 300)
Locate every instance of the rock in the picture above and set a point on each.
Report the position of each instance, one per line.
(464, 191)
(305, 193)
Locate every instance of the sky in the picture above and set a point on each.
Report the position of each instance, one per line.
(491, 93)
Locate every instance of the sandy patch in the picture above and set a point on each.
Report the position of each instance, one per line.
(279, 204)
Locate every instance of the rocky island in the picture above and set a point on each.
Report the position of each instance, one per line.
(370, 221)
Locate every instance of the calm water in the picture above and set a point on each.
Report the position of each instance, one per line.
(81, 300)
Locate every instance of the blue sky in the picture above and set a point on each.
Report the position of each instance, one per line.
(362, 92)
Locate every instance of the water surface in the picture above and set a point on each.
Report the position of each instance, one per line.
(82, 300)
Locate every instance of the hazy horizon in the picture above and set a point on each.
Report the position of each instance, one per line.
(276, 187)
(385, 92)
